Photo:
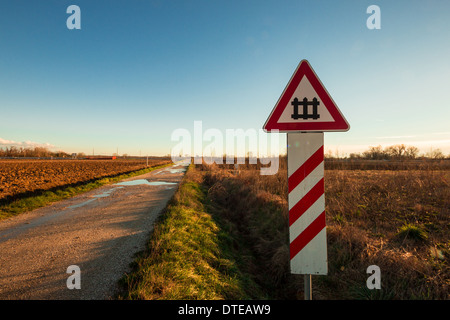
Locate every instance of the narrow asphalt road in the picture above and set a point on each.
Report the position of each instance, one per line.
(99, 231)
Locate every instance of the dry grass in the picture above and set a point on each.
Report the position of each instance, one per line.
(396, 219)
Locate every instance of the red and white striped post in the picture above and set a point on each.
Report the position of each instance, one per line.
(307, 227)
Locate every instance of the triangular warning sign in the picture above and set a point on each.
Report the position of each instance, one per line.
(305, 105)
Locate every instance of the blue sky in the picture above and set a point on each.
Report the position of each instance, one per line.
(139, 69)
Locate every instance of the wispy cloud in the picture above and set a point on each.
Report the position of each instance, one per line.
(24, 144)
(430, 135)
(396, 137)
(441, 133)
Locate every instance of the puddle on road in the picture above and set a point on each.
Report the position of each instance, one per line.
(172, 170)
(103, 195)
(124, 183)
(81, 204)
(145, 182)
(161, 183)
(175, 170)
(106, 193)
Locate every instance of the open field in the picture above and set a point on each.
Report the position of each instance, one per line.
(231, 227)
(19, 178)
(29, 184)
(418, 164)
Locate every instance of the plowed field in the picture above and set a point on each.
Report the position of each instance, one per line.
(19, 177)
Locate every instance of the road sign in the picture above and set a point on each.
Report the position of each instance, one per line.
(305, 106)
(305, 111)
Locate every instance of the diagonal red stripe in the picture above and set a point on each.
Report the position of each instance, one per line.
(307, 235)
(307, 201)
(305, 169)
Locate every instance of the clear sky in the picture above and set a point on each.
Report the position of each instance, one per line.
(139, 69)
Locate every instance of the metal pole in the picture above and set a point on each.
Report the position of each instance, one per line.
(308, 287)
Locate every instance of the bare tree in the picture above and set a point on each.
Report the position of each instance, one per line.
(411, 152)
(374, 153)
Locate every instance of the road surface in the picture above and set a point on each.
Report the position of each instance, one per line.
(99, 231)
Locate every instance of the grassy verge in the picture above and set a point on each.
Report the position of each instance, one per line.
(190, 255)
(44, 198)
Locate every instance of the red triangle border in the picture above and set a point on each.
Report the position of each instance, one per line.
(305, 69)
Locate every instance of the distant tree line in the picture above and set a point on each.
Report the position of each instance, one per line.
(395, 152)
(31, 152)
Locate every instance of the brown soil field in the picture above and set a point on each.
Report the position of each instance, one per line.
(23, 177)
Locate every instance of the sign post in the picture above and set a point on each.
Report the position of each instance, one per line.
(305, 111)
(308, 287)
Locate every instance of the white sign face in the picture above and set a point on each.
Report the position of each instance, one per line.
(306, 91)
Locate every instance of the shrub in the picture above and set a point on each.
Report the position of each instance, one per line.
(411, 231)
